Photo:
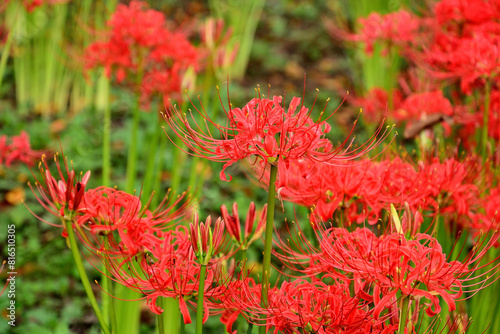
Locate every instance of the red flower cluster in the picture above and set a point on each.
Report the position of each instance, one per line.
(363, 189)
(397, 29)
(17, 149)
(143, 51)
(316, 307)
(456, 40)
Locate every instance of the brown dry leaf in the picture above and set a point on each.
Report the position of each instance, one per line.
(15, 196)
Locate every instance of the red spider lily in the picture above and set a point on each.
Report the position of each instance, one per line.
(105, 210)
(205, 242)
(266, 129)
(397, 28)
(166, 268)
(18, 150)
(233, 226)
(141, 47)
(60, 196)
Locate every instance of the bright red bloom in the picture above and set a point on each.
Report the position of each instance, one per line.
(140, 46)
(490, 218)
(266, 129)
(106, 210)
(362, 188)
(397, 28)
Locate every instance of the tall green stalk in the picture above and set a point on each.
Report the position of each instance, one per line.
(160, 317)
(132, 149)
(404, 315)
(83, 276)
(127, 310)
(201, 295)
(171, 315)
(134, 131)
(108, 303)
(268, 239)
(152, 169)
(102, 104)
(5, 56)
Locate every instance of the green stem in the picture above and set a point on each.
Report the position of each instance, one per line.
(201, 295)
(171, 315)
(268, 239)
(151, 170)
(405, 315)
(5, 56)
(158, 178)
(159, 317)
(108, 303)
(132, 150)
(179, 159)
(242, 257)
(486, 114)
(83, 276)
(102, 104)
(183, 325)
